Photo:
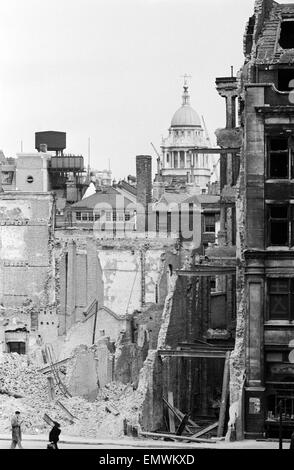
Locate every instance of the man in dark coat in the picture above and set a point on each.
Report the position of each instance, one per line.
(54, 434)
(16, 430)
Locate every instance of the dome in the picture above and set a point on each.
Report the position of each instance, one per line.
(186, 116)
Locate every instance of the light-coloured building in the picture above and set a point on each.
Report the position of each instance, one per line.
(178, 164)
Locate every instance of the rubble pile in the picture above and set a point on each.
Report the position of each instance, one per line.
(92, 419)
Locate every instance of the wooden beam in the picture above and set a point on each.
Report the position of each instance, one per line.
(207, 271)
(48, 420)
(171, 417)
(182, 425)
(176, 438)
(225, 396)
(180, 415)
(206, 430)
(111, 409)
(66, 411)
(47, 369)
(211, 353)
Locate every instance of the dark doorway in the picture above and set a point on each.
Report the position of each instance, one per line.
(17, 347)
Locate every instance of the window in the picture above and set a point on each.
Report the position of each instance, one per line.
(120, 216)
(91, 217)
(182, 160)
(284, 78)
(168, 222)
(108, 216)
(191, 213)
(213, 284)
(188, 160)
(279, 155)
(287, 35)
(157, 222)
(114, 216)
(176, 160)
(78, 216)
(209, 223)
(127, 216)
(16, 347)
(278, 225)
(281, 299)
(84, 216)
(97, 216)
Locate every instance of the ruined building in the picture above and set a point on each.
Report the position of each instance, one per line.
(265, 228)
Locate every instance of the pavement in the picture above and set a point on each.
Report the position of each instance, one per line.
(39, 441)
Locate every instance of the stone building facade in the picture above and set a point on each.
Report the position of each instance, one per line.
(265, 224)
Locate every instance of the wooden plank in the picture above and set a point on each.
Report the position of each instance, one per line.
(48, 420)
(171, 417)
(202, 353)
(67, 412)
(111, 409)
(47, 369)
(206, 430)
(176, 438)
(182, 425)
(225, 396)
(180, 415)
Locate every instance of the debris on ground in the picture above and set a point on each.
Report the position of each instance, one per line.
(19, 377)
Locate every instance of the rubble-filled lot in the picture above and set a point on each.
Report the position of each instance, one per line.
(18, 377)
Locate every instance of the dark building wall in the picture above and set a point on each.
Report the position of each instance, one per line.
(268, 259)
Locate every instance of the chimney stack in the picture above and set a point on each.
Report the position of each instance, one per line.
(43, 148)
(144, 188)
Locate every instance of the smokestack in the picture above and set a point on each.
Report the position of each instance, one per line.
(144, 188)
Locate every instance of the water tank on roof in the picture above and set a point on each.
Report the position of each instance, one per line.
(55, 141)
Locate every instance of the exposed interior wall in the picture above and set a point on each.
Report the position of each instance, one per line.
(27, 268)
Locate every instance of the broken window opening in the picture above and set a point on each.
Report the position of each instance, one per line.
(168, 222)
(16, 347)
(191, 213)
(209, 223)
(287, 35)
(281, 299)
(279, 225)
(285, 76)
(280, 158)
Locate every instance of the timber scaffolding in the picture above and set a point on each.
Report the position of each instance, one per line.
(201, 350)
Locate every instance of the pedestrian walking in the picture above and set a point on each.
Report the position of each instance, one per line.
(54, 436)
(16, 430)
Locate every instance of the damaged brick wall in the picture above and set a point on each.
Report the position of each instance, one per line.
(27, 269)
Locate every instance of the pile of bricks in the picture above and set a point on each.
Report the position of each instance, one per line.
(92, 419)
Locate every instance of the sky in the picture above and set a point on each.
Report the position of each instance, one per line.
(111, 71)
